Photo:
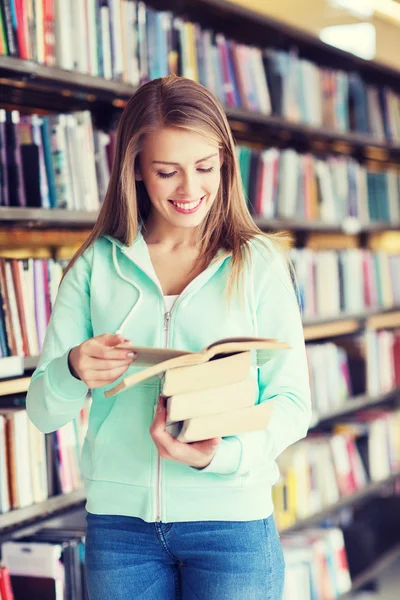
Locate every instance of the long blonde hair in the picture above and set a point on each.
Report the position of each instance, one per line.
(176, 102)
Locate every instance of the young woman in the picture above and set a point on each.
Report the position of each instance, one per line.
(174, 259)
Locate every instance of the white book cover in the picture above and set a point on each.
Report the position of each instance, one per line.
(74, 160)
(60, 148)
(4, 492)
(79, 36)
(36, 463)
(362, 195)
(327, 284)
(40, 301)
(116, 24)
(259, 77)
(106, 40)
(327, 206)
(393, 196)
(36, 559)
(289, 165)
(92, 41)
(22, 462)
(27, 278)
(89, 178)
(63, 34)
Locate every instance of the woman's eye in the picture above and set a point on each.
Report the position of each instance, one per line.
(209, 170)
(166, 175)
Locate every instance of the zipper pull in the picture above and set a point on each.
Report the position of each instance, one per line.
(167, 317)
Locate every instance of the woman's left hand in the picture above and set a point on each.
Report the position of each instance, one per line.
(196, 454)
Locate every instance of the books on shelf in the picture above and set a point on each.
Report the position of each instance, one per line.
(35, 466)
(49, 563)
(131, 42)
(349, 281)
(329, 376)
(367, 364)
(374, 358)
(317, 472)
(28, 289)
(286, 184)
(316, 564)
(55, 161)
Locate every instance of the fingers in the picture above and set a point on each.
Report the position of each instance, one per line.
(198, 454)
(96, 379)
(110, 339)
(98, 364)
(102, 347)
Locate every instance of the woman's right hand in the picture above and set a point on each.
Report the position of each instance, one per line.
(97, 361)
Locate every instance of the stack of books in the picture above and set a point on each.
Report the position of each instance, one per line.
(209, 393)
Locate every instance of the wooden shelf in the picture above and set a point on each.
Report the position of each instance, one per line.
(43, 217)
(38, 512)
(354, 404)
(350, 323)
(369, 490)
(14, 386)
(378, 567)
(380, 321)
(245, 122)
(29, 84)
(350, 227)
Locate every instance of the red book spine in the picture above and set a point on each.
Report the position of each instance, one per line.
(21, 29)
(5, 584)
(48, 28)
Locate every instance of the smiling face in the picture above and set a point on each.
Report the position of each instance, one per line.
(181, 172)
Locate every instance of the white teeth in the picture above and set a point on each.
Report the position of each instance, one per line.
(187, 206)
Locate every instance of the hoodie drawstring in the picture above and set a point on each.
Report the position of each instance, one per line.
(139, 291)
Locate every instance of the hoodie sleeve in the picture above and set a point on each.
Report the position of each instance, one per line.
(283, 380)
(55, 396)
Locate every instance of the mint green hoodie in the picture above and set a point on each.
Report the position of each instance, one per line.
(113, 288)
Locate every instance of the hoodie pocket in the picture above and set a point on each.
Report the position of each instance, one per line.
(122, 449)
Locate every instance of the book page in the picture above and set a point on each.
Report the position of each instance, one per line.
(147, 356)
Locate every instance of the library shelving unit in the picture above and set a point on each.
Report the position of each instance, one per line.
(29, 86)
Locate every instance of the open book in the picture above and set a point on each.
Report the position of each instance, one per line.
(159, 360)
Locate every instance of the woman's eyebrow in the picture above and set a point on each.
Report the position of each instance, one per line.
(164, 162)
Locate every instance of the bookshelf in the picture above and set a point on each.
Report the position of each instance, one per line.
(352, 405)
(40, 218)
(381, 565)
(359, 496)
(21, 517)
(28, 86)
(317, 329)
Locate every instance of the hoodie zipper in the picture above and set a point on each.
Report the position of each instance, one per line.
(167, 318)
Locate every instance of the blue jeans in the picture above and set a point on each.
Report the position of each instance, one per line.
(127, 558)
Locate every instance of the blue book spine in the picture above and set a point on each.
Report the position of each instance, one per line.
(45, 131)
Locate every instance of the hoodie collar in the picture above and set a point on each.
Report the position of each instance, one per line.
(138, 253)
